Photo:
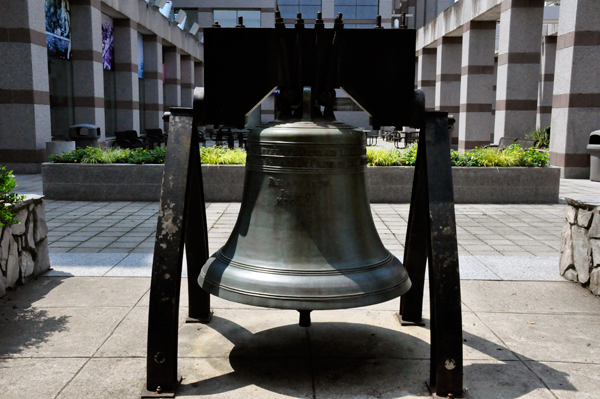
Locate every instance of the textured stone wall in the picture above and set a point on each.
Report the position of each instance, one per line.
(24, 246)
(580, 248)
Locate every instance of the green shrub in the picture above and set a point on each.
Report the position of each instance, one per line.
(222, 156)
(7, 197)
(212, 155)
(541, 135)
(511, 156)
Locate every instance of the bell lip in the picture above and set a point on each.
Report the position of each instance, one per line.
(307, 303)
(304, 301)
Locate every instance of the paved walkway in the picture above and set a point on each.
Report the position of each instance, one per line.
(85, 337)
(496, 242)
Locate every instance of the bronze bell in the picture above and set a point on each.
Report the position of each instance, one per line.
(305, 237)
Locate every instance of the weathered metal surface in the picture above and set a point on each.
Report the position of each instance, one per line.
(181, 184)
(431, 236)
(305, 238)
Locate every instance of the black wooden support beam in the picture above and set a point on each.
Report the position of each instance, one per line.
(181, 219)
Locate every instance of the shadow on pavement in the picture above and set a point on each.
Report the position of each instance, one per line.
(345, 360)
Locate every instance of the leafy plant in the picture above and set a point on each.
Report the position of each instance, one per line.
(511, 156)
(222, 156)
(7, 197)
(542, 135)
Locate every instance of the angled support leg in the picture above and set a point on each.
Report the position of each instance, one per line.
(415, 248)
(444, 279)
(196, 239)
(162, 380)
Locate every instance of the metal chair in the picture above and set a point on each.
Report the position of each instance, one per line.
(129, 139)
(156, 136)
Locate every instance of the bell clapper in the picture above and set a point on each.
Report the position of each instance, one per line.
(304, 318)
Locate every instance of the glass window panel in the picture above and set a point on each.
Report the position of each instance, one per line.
(367, 2)
(287, 2)
(226, 18)
(309, 12)
(345, 3)
(366, 12)
(288, 12)
(251, 18)
(349, 26)
(365, 26)
(310, 3)
(348, 12)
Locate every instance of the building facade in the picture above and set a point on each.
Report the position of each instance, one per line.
(114, 64)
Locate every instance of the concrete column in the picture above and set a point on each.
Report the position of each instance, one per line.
(521, 24)
(576, 104)
(476, 84)
(172, 79)
(447, 79)
(199, 74)
(88, 73)
(187, 80)
(153, 84)
(426, 75)
(24, 89)
(546, 85)
(126, 75)
(267, 109)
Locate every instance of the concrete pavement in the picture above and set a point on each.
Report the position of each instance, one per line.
(527, 332)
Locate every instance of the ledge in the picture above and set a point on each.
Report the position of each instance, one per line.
(224, 183)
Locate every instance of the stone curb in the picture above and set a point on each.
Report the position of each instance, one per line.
(224, 183)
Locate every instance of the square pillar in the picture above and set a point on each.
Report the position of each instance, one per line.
(153, 85)
(447, 79)
(546, 84)
(172, 78)
(476, 84)
(187, 81)
(88, 73)
(126, 75)
(521, 24)
(427, 60)
(576, 103)
(24, 89)
(199, 74)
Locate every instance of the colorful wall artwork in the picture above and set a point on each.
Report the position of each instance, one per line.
(58, 28)
(108, 43)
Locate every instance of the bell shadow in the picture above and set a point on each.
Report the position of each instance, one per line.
(23, 326)
(351, 359)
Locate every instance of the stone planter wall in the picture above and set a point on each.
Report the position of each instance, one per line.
(224, 183)
(24, 246)
(580, 248)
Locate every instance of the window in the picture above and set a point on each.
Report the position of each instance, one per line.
(357, 9)
(229, 18)
(290, 8)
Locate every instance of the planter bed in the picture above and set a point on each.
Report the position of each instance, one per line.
(224, 183)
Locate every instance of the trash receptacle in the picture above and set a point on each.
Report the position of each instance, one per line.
(84, 135)
(594, 148)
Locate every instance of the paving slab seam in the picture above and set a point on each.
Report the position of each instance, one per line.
(101, 344)
(517, 355)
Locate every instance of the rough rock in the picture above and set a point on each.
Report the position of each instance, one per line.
(595, 281)
(29, 241)
(42, 261)
(2, 285)
(566, 260)
(12, 266)
(27, 265)
(595, 245)
(595, 228)
(571, 275)
(571, 214)
(19, 229)
(4, 246)
(584, 218)
(566, 239)
(582, 253)
(41, 228)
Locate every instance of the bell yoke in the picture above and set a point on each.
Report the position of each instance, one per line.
(305, 237)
